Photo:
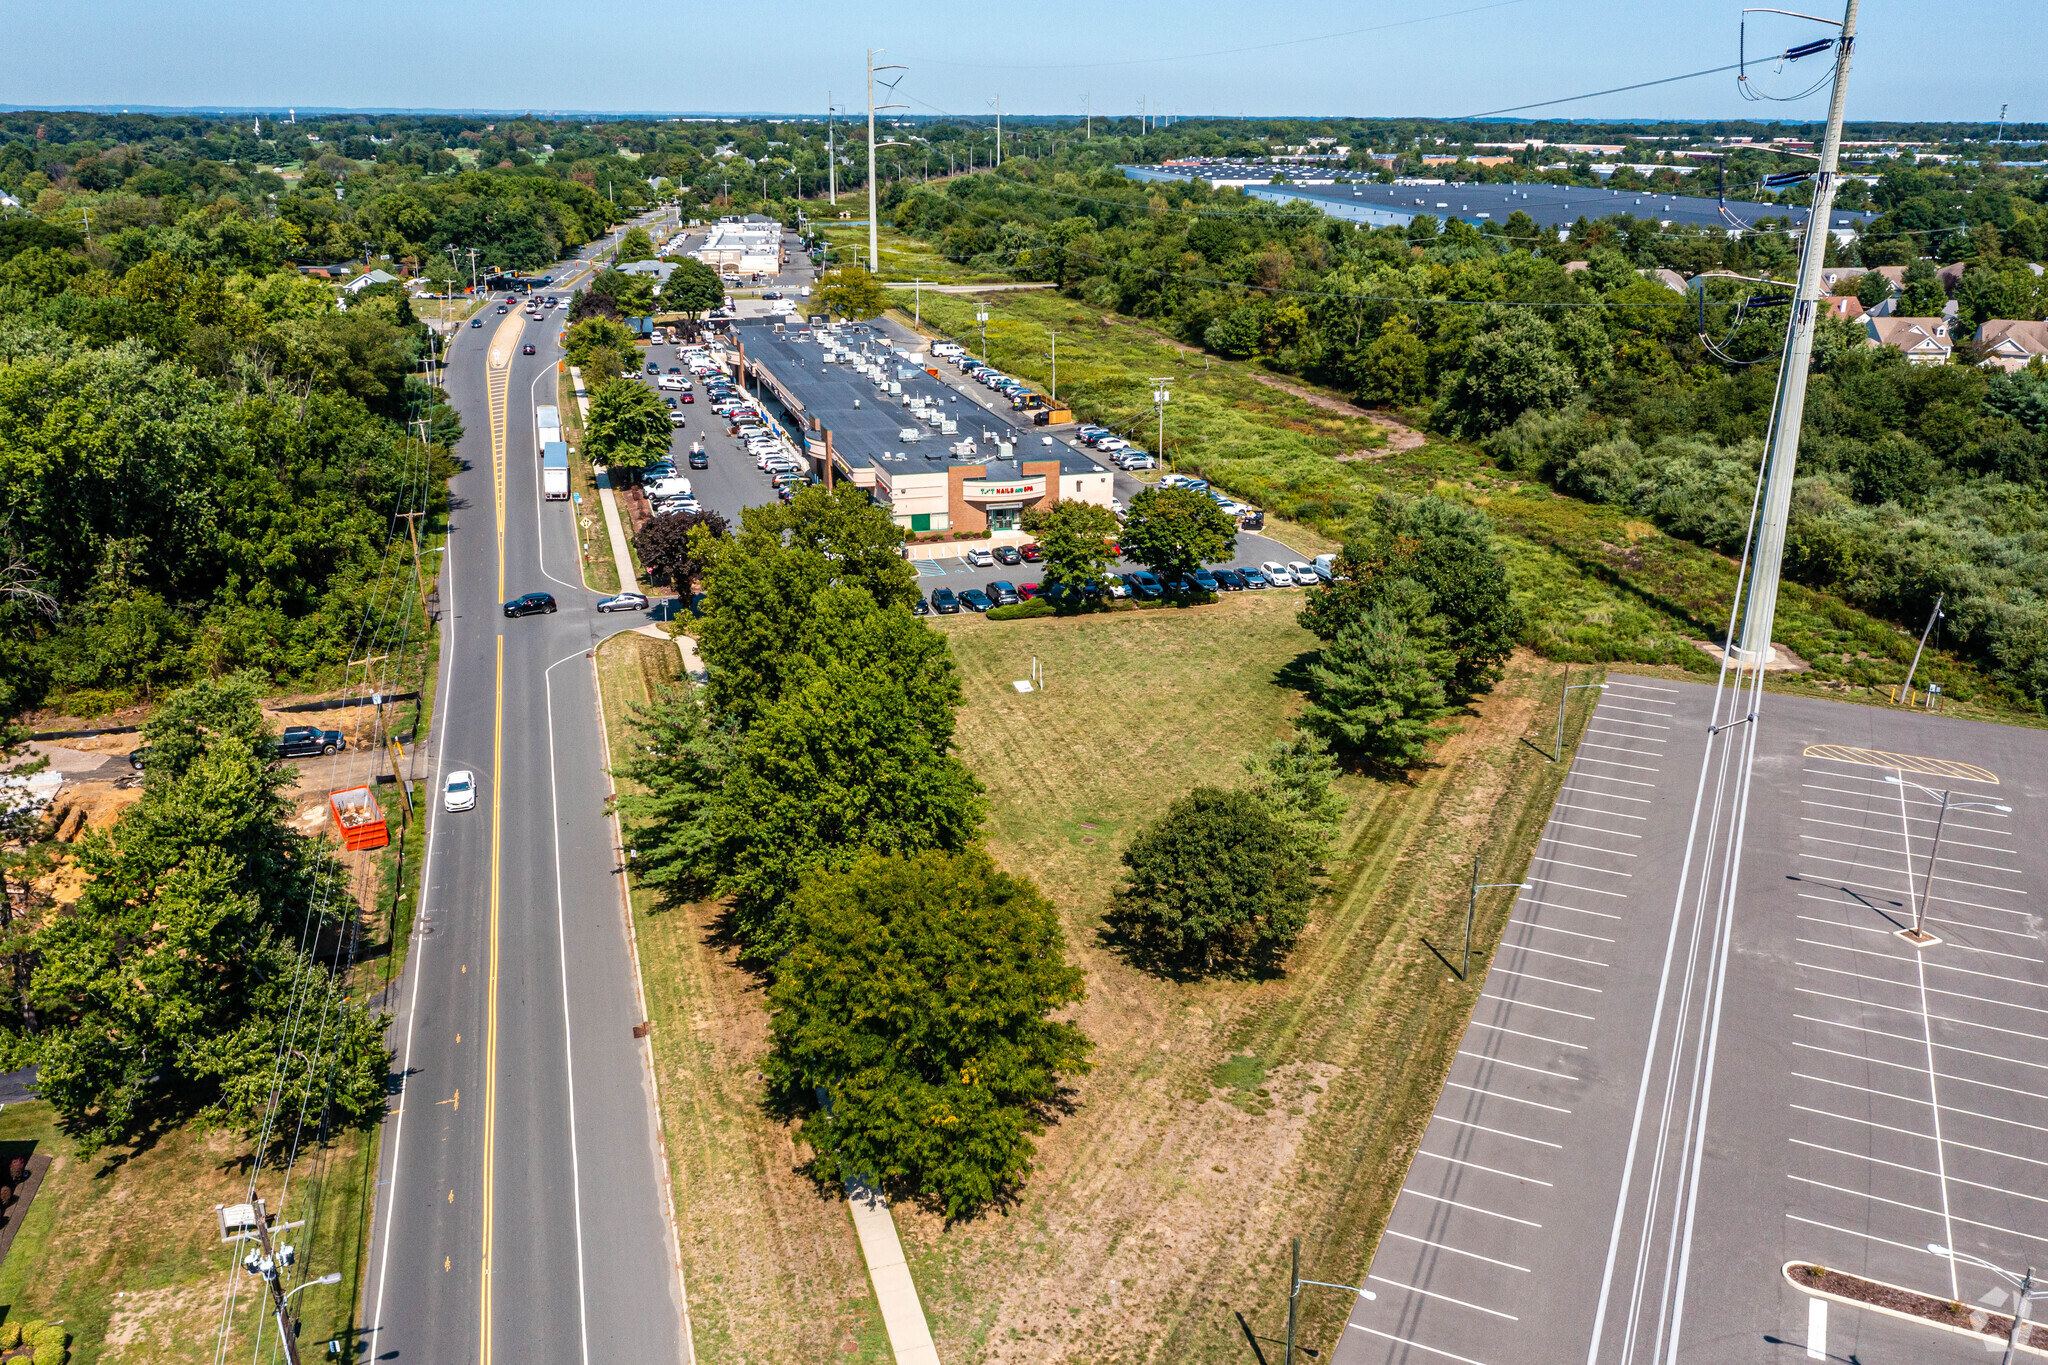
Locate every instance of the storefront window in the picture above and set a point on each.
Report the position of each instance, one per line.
(1004, 518)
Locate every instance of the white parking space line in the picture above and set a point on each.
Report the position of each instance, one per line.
(1919, 1070)
(1517, 1066)
(1908, 1132)
(1845, 883)
(1909, 801)
(1939, 876)
(1574, 886)
(1890, 815)
(1552, 928)
(1403, 1341)
(1512, 1099)
(1937, 1018)
(1874, 929)
(1924, 1104)
(1636, 686)
(1530, 976)
(2005, 977)
(1543, 952)
(1472, 1208)
(1432, 1294)
(1546, 1009)
(1622, 720)
(1882, 781)
(1890, 834)
(1583, 867)
(1945, 1047)
(1597, 829)
(1816, 1329)
(1554, 1042)
(1915, 1208)
(1598, 810)
(1866, 829)
(1624, 781)
(1917, 1170)
(1590, 848)
(1455, 1251)
(1931, 990)
(1619, 749)
(1498, 1132)
(1576, 910)
(1638, 711)
(1860, 1236)
(1617, 763)
(1493, 1170)
(1608, 796)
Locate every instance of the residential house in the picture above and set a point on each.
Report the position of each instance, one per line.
(1670, 279)
(1950, 276)
(2009, 345)
(1842, 306)
(1923, 341)
(368, 278)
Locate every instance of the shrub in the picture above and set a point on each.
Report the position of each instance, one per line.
(1023, 611)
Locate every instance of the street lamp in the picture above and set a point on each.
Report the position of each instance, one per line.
(1295, 1282)
(1918, 934)
(331, 1277)
(1557, 750)
(1472, 904)
(2025, 1284)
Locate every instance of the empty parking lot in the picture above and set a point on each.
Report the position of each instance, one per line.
(1633, 1141)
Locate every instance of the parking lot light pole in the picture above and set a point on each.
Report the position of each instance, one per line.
(1294, 1287)
(2023, 1283)
(1472, 905)
(1557, 750)
(1918, 933)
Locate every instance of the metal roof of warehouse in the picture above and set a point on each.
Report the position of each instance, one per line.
(1550, 205)
(866, 423)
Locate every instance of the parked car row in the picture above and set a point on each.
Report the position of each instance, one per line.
(1142, 584)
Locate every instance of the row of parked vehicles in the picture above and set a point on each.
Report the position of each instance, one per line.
(1141, 584)
(1121, 453)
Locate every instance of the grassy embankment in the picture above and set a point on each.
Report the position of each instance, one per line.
(1222, 1117)
(1597, 584)
(902, 257)
(600, 569)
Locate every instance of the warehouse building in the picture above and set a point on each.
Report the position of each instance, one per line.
(751, 245)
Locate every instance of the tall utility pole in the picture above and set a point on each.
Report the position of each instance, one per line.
(1162, 391)
(831, 153)
(1760, 608)
(1906, 689)
(270, 1262)
(874, 238)
(1087, 118)
(1055, 393)
(472, 269)
(999, 132)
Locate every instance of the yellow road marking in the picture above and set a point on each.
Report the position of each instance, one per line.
(1910, 763)
(455, 1099)
(491, 1007)
(498, 387)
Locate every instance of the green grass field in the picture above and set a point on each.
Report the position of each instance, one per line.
(902, 258)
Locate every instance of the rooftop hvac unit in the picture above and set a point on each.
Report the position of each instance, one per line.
(949, 427)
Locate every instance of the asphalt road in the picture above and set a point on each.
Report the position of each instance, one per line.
(521, 1212)
(1626, 1153)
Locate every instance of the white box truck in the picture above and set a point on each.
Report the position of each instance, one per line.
(554, 471)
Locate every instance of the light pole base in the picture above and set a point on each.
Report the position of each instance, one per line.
(1919, 938)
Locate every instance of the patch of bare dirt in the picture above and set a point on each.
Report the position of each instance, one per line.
(1400, 436)
(151, 1324)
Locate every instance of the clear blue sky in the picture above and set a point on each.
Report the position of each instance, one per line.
(1915, 60)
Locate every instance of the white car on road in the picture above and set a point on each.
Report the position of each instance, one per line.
(459, 792)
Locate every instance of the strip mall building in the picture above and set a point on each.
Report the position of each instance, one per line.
(881, 420)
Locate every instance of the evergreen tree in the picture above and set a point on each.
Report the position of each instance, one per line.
(1372, 693)
(1295, 780)
(680, 758)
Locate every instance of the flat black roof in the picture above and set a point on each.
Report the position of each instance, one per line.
(1550, 205)
(864, 435)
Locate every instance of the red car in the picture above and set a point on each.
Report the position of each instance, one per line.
(1027, 591)
(686, 397)
(1030, 553)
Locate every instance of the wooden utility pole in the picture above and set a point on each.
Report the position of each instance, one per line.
(270, 1262)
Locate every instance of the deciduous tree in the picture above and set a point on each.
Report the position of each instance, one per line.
(628, 426)
(671, 545)
(851, 292)
(917, 999)
(1074, 538)
(1215, 884)
(1176, 531)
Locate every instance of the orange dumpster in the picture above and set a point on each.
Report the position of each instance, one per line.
(359, 818)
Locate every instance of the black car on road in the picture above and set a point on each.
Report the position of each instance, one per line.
(297, 741)
(530, 604)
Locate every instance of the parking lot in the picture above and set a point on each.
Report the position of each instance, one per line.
(1850, 1097)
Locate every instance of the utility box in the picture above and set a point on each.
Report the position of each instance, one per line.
(359, 819)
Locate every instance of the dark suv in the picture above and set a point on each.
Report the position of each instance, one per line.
(944, 602)
(299, 740)
(530, 604)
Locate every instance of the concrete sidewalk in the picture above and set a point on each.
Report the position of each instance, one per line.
(910, 1337)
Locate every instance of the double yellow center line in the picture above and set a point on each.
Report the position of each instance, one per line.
(497, 384)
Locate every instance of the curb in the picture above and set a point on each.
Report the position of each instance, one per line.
(1986, 1338)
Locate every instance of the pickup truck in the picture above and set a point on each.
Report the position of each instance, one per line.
(299, 740)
